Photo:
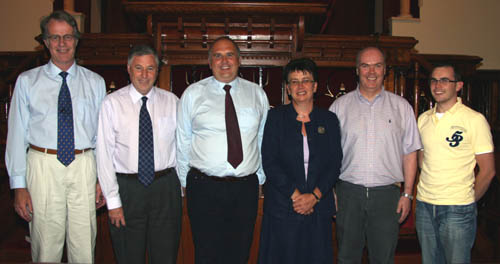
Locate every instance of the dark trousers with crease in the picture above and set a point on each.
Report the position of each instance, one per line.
(367, 216)
(222, 216)
(152, 217)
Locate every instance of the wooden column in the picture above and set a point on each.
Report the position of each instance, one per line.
(404, 11)
(164, 77)
(416, 90)
(69, 6)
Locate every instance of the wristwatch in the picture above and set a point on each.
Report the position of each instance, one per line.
(409, 196)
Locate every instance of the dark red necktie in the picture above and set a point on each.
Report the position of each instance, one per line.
(234, 148)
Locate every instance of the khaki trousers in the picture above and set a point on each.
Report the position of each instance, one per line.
(63, 207)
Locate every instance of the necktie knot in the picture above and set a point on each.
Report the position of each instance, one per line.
(63, 75)
(227, 87)
(144, 100)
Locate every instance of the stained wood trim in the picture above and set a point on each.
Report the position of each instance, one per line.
(181, 8)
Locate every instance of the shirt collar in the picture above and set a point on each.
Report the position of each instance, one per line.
(54, 71)
(220, 85)
(452, 110)
(377, 97)
(136, 96)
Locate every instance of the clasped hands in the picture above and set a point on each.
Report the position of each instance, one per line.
(303, 203)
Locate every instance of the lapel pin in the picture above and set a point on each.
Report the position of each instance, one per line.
(321, 130)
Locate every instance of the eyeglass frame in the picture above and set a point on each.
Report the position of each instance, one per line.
(295, 83)
(442, 81)
(65, 38)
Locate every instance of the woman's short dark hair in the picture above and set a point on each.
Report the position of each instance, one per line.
(303, 65)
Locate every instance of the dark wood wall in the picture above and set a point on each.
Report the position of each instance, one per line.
(347, 17)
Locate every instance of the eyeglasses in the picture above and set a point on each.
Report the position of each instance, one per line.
(304, 82)
(442, 81)
(57, 38)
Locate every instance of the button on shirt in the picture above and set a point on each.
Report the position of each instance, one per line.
(375, 137)
(33, 113)
(118, 136)
(201, 129)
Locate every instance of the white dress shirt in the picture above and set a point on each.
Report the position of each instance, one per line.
(201, 128)
(118, 135)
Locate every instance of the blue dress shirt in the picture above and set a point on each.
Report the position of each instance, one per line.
(33, 113)
(201, 128)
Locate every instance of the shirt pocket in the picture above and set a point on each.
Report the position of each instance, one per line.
(389, 127)
(166, 126)
(83, 110)
(248, 119)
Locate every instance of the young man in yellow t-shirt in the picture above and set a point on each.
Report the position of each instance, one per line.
(455, 139)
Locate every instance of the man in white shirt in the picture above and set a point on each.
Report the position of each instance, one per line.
(218, 157)
(135, 163)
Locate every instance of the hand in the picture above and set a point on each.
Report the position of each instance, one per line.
(304, 203)
(100, 201)
(308, 212)
(116, 217)
(296, 193)
(404, 206)
(22, 204)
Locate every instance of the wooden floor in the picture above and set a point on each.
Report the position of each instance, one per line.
(15, 249)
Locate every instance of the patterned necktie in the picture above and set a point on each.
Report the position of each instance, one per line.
(65, 133)
(146, 169)
(234, 148)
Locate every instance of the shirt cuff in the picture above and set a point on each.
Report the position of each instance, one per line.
(113, 203)
(17, 182)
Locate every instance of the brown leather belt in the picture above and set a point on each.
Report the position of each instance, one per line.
(157, 173)
(202, 176)
(54, 151)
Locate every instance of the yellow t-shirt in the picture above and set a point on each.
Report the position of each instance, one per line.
(450, 145)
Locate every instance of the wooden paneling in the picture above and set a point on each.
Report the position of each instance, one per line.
(341, 50)
(108, 49)
(216, 8)
(353, 17)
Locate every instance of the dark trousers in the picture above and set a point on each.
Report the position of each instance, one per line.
(222, 216)
(367, 214)
(152, 217)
